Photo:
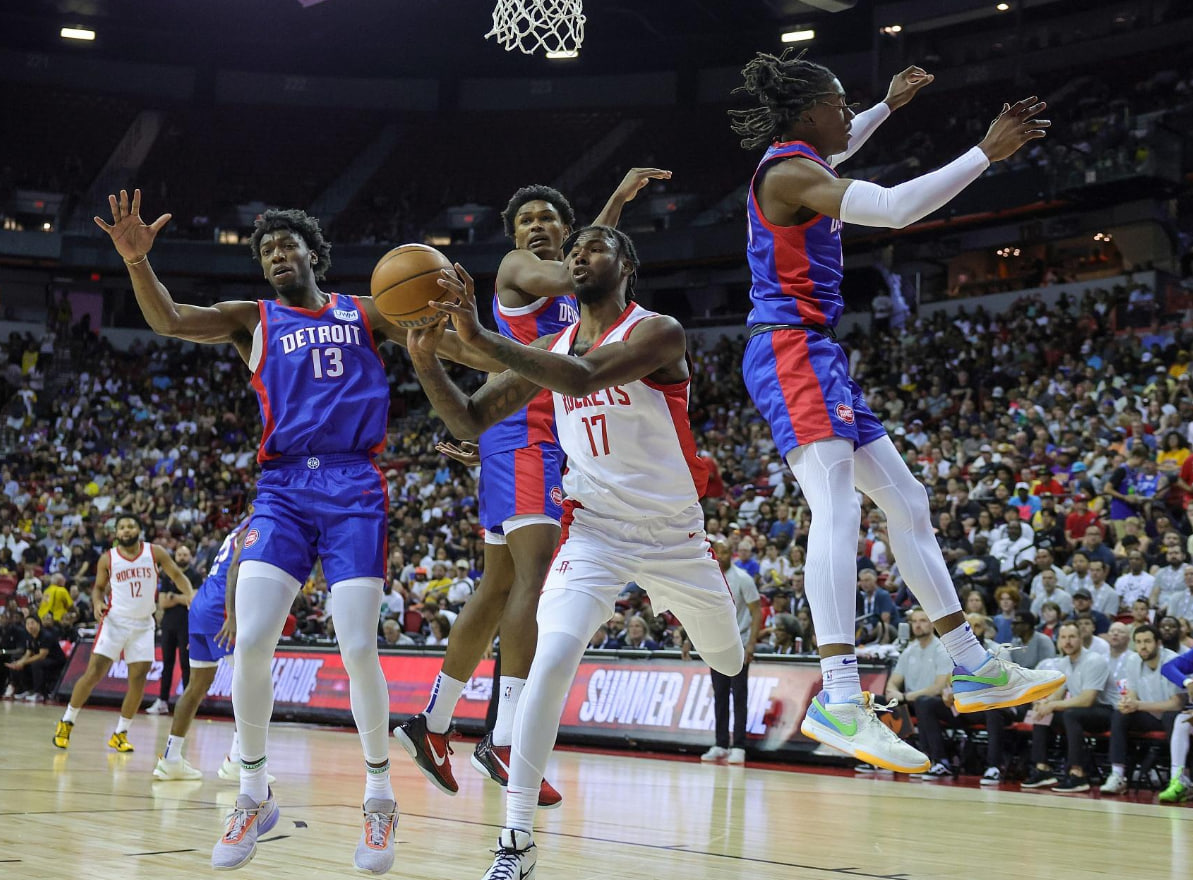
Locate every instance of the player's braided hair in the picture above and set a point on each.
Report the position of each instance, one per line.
(537, 192)
(784, 86)
(625, 250)
(301, 224)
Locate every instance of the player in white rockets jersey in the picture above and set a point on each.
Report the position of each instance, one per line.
(620, 380)
(124, 598)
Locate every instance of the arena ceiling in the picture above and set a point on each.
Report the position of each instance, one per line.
(445, 38)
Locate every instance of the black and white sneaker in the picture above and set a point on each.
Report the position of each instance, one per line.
(1072, 785)
(1038, 778)
(515, 856)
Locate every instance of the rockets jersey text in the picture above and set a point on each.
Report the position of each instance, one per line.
(796, 270)
(133, 585)
(525, 324)
(320, 381)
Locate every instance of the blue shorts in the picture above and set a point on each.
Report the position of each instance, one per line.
(333, 507)
(204, 649)
(521, 482)
(799, 381)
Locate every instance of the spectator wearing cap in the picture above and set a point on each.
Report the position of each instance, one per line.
(748, 507)
(1049, 532)
(1079, 519)
(1083, 604)
(1047, 483)
(418, 583)
(1089, 641)
(462, 587)
(1015, 547)
(916, 435)
(1024, 502)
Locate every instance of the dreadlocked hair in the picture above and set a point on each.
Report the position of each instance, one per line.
(537, 192)
(301, 224)
(784, 86)
(625, 250)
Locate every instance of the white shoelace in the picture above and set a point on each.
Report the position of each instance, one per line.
(377, 826)
(238, 820)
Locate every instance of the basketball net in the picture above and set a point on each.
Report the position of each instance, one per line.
(556, 26)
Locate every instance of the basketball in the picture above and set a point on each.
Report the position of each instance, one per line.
(404, 282)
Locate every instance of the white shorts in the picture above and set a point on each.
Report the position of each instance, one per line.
(132, 637)
(669, 558)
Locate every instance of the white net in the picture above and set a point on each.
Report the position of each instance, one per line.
(556, 26)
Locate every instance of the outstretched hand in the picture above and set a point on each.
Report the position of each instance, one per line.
(1013, 127)
(424, 341)
(459, 284)
(129, 233)
(906, 85)
(466, 452)
(635, 179)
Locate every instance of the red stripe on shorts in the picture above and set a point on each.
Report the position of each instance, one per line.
(530, 493)
(800, 386)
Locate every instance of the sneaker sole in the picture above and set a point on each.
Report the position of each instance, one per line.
(989, 782)
(1034, 785)
(480, 768)
(995, 698)
(163, 777)
(822, 735)
(412, 751)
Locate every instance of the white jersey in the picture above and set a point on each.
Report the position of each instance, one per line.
(133, 585)
(631, 454)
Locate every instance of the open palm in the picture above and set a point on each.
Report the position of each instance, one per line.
(129, 233)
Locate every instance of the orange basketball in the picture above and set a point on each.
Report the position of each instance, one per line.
(405, 281)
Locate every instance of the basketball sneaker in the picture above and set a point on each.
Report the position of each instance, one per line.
(431, 751)
(247, 821)
(992, 776)
(1072, 784)
(62, 734)
(119, 742)
(1038, 778)
(515, 856)
(1114, 784)
(159, 707)
(230, 772)
(1177, 792)
(736, 756)
(494, 762)
(1000, 684)
(375, 852)
(172, 771)
(715, 755)
(853, 727)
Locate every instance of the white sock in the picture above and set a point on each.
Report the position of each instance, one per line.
(377, 784)
(1120, 769)
(841, 681)
(507, 705)
(71, 713)
(442, 704)
(254, 779)
(173, 748)
(965, 649)
(123, 724)
(234, 748)
(520, 807)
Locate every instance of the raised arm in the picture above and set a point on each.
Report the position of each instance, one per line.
(904, 86)
(655, 344)
(799, 184)
(630, 185)
(133, 239)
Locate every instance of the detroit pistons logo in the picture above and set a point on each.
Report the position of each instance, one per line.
(251, 538)
(845, 413)
(557, 496)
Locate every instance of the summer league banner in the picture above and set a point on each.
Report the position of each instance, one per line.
(658, 702)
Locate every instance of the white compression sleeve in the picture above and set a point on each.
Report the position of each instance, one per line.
(864, 125)
(868, 204)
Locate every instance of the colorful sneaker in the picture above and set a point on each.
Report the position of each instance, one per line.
(736, 756)
(1072, 785)
(1114, 784)
(494, 762)
(172, 771)
(119, 742)
(247, 821)
(992, 776)
(375, 852)
(1176, 793)
(1038, 778)
(853, 728)
(62, 734)
(715, 755)
(515, 856)
(431, 752)
(230, 772)
(999, 684)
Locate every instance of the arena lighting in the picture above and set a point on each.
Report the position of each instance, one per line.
(892, 29)
(69, 33)
(563, 53)
(1003, 7)
(799, 36)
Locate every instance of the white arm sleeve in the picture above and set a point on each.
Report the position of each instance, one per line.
(864, 125)
(868, 204)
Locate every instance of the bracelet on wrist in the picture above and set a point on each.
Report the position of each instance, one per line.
(136, 262)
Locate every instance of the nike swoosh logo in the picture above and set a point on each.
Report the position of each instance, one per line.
(439, 759)
(691, 534)
(500, 763)
(845, 729)
(849, 662)
(994, 681)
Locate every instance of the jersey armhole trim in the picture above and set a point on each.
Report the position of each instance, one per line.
(521, 311)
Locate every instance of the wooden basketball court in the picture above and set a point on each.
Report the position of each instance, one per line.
(93, 813)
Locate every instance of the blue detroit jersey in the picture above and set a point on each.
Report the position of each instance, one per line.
(207, 608)
(320, 383)
(796, 270)
(525, 324)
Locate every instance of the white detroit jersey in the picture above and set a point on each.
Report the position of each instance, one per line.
(133, 585)
(631, 454)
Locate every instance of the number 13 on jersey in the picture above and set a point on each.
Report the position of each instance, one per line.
(327, 362)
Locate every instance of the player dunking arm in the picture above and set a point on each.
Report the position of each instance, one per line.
(619, 379)
(324, 401)
(798, 377)
(124, 598)
(520, 491)
(212, 627)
